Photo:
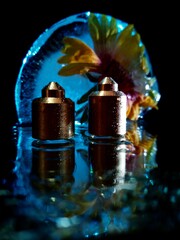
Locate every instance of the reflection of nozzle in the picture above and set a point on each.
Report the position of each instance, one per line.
(108, 163)
(52, 114)
(53, 164)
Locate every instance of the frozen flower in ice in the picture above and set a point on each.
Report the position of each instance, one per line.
(119, 54)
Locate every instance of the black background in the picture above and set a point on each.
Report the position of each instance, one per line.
(157, 23)
(158, 26)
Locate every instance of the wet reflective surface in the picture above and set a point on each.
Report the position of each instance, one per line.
(87, 188)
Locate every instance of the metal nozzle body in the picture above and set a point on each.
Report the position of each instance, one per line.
(52, 114)
(107, 110)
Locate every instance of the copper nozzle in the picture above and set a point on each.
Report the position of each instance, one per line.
(52, 114)
(107, 110)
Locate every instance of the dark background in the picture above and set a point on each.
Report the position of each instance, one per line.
(157, 24)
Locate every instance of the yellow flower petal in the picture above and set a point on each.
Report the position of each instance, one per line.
(147, 142)
(129, 52)
(77, 51)
(76, 68)
(132, 135)
(102, 30)
(134, 107)
(133, 111)
(147, 101)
